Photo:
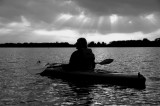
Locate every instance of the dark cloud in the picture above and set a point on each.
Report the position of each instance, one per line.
(81, 16)
(121, 7)
(43, 10)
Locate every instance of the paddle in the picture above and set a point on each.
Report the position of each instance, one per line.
(106, 61)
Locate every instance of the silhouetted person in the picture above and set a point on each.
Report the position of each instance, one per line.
(83, 58)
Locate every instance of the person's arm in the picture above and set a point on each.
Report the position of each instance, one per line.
(92, 57)
(72, 58)
(93, 60)
(68, 67)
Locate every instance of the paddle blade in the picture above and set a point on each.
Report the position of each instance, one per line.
(106, 61)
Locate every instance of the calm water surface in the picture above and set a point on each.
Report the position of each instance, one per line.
(20, 86)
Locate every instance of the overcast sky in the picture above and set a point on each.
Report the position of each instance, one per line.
(67, 20)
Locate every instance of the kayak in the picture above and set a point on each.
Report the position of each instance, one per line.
(102, 76)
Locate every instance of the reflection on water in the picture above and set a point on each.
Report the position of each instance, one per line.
(20, 86)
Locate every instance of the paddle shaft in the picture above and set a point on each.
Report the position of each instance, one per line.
(106, 61)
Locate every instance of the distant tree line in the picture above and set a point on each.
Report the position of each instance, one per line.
(128, 43)
(98, 44)
(56, 44)
(136, 43)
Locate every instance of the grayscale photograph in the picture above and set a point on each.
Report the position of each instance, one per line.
(79, 52)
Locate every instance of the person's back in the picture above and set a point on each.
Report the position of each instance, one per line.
(83, 58)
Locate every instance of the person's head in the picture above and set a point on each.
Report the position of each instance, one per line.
(81, 43)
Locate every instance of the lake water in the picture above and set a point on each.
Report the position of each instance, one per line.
(20, 86)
